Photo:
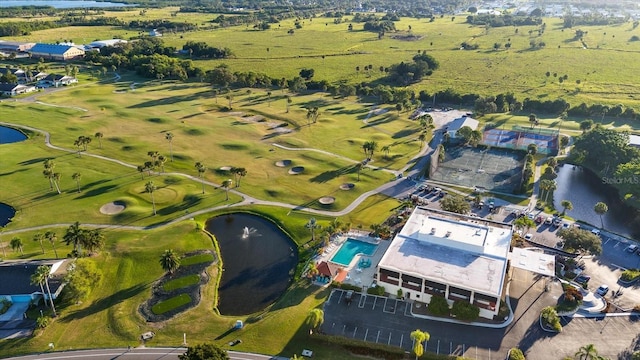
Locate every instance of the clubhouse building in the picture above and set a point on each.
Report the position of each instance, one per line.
(457, 257)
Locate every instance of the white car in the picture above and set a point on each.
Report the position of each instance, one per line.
(595, 232)
(528, 236)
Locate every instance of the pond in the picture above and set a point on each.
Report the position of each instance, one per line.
(259, 262)
(62, 4)
(584, 189)
(6, 214)
(10, 135)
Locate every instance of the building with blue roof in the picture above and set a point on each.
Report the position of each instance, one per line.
(56, 52)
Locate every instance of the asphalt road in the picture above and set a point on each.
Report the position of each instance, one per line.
(134, 354)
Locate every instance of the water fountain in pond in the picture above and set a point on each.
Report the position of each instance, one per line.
(247, 231)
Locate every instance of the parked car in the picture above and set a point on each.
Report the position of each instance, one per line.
(582, 278)
(539, 219)
(602, 290)
(565, 225)
(348, 298)
(549, 220)
(528, 236)
(235, 342)
(595, 232)
(632, 248)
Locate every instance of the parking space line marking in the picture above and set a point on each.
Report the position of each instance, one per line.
(344, 328)
(401, 338)
(354, 331)
(609, 239)
(389, 342)
(366, 333)
(375, 299)
(361, 303)
(378, 337)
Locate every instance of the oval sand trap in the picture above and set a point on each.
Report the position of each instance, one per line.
(113, 208)
(296, 170)
(283, 163)
(347, 186)
(327, 200)
(225, 168)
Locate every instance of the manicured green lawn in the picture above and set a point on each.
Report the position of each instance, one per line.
(180, 283)
(170, 304)
(196, 259)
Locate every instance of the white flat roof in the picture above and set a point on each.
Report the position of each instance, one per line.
(634, 140)
(461, 251)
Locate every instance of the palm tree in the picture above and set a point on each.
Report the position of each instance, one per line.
(56, 180)
(547, 186)
(269, 98)
(418, 336)
(160, 162)
(99, 136)
(94, 240)
(74, 235)
(141, 169)
(76, 177)
(386, 149)
(239, 173)
(226, 185)
(566, 205)
(52, 237)
(16, 244)
(601, 209)
(78, 143)
(36, 278)
(587, 352)
(201, 170)
(150, 188)
(42, 276)
(49, 165)
(312, 225)
(169, 261)
(289, 101)
(422, 137)
(39, 238)
(315, 318)
(169, 137)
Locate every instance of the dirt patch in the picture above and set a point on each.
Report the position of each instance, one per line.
(296, 170)
(347, 186)
(113, 208)
(158, 294)
(283, 163)
(327, 200)
(407, 37)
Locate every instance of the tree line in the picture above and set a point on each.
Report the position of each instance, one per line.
(503, 20)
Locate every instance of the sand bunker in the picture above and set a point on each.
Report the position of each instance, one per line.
(225, 168)
(113, 208)
(296, 170)
(327, 200)
(347, 186)
(283, 163)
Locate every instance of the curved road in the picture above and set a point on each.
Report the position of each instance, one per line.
(134, 354)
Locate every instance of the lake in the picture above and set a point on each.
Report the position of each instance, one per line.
(63, 4)
(584, 189)
(259, 262)
(10, 135)
(6, 214)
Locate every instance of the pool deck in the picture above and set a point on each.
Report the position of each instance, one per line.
(355, 275)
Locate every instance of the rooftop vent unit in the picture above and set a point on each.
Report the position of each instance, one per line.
(478, 232)
(433, 231)
(447, 234)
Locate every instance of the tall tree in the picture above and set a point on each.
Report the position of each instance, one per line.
(160, 161)
(524, 223)
(93, 240)
(201, 171)
(601, 209)
(42, 276)
(99, 136)
(312, 225)
(150, 188)
(49, 165)
(74, 236)
(39, 238)
(587, 352)
(226, 185)
(141, 169)
(169, 261)
(315, 318)
(169, 137)
(16, 244)
(204, 351)
(239, 173)
(418, 336)
(359, 167)
(566, 205)
(56, 181)
(76, 177)
(52, 237)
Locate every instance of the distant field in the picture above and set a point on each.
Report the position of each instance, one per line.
(484, 71)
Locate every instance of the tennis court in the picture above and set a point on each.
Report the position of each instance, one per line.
(492, 169)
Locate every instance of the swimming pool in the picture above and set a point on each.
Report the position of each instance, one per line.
(350, 249)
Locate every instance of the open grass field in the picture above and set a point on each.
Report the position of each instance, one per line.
(334, 53)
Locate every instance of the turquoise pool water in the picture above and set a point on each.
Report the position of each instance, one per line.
(350, 249)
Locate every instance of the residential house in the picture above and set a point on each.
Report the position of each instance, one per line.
(455, 125)
(15, 89)
(155, 33)
(56, 80)
(16, 280)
